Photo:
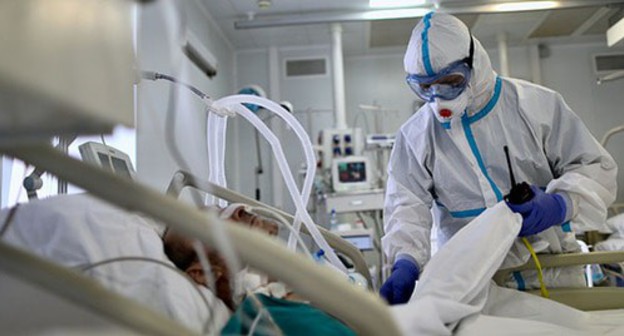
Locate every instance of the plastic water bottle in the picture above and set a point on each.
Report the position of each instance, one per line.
(333, 221)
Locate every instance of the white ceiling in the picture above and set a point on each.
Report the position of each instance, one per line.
(561, 25)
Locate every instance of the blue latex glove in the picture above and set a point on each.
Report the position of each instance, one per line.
(541, 212)
(399, 286)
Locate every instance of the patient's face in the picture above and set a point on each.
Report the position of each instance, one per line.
(241, 216)
(180, 250)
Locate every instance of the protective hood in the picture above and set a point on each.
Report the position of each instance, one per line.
(441, 39)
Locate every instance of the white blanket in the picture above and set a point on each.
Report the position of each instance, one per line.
(79, 230)
(455, 293)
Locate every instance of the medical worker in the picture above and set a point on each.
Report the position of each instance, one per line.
(448, 164)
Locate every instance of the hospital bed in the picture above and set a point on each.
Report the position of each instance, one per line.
(586, 299)
(39, 295)
(183, 179)
(364, 312)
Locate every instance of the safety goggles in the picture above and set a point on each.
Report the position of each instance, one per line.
(447, 84)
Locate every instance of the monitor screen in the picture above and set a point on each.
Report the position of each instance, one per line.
(104, 160)
(363, 242)
(121, 167)
(350, 172)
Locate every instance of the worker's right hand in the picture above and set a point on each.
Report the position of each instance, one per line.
(541, 212)
(399, 286)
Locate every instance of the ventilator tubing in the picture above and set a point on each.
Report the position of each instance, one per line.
(300, 200)
(308, 151)
(216, 129)
(216, 135)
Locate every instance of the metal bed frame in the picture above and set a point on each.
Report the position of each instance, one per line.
(587, 299)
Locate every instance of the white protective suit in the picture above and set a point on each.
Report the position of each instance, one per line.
(452, 171)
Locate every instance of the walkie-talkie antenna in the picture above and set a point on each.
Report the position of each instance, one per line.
(511, 174)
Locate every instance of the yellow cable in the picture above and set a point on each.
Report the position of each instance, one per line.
(540, 276)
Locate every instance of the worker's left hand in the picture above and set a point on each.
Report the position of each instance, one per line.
(399, 286)
(541, 212)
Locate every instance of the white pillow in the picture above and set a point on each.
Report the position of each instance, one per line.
(79, 230)
(616, 225)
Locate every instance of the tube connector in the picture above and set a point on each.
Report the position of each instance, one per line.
(221, 111)
(151, 75)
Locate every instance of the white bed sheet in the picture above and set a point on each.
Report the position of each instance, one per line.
(455, 294)
(78, 230)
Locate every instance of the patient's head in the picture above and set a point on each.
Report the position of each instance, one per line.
(180, 251)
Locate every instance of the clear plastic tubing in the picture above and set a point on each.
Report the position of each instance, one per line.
(309, 154)
(235, 102)
(216, 127)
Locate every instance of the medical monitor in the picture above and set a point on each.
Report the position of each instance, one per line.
(108, 158)
(362, 239)
(351, 173)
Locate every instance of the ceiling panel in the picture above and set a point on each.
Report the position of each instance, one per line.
(392, 33)
(563, 22)
(601, 26)
(389, 33)
(516, 26)
(378, 36)
(281, 37)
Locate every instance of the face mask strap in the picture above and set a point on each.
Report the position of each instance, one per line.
(468, 60)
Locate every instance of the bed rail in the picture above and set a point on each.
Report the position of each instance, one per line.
(597, 298)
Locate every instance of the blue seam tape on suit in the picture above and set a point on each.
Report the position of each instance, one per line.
(425, 44)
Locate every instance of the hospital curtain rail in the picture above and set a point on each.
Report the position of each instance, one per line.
(363, 311)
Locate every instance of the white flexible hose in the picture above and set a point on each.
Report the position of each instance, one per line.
(300, 201)
(305, 142)
(221, 154)
(216, 126)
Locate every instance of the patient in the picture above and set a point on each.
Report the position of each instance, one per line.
(180, 250)
(286, 312)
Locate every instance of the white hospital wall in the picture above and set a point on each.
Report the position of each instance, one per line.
(379, 79)
(569, 70)
(252, 69)
(155, 165)
(312, 100)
